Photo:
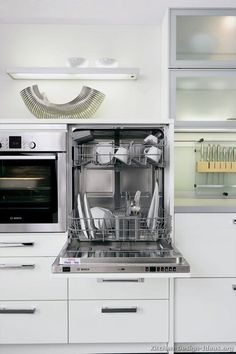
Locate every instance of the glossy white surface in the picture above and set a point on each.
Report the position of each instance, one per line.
(205, 310)
(27, 284)
(119, 288)
(47, 325)
(88, 325)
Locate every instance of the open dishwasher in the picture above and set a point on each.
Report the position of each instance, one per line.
(120, 189)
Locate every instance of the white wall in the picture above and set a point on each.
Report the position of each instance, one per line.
(51, 45)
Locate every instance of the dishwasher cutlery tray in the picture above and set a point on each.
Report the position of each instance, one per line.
(120, 228)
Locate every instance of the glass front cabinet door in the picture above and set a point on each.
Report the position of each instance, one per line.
(203, 38)
(203, 95)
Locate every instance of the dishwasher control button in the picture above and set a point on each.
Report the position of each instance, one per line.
(158, 269)
(166, 269)
(152, 269)
(174, 269)
(162, 269)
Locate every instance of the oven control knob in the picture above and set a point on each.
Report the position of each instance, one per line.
(32, 145)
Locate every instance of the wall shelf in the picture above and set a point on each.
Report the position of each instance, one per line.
(69, 73)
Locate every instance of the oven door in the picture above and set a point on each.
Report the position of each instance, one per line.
(33, 192)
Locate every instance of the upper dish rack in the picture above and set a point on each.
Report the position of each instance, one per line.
(107, 154)
(120, 228)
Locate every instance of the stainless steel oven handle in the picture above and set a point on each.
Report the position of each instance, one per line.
(108, 280)
(119, 309)
(27, 157)
(17, 266)
(16, 244)
(4, 310)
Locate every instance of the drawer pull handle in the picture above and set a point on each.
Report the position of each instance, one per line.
(4, 310)
(234, 221)
(234, 287)
(16, 244)
(134, 280)
(119, 309)
(17, 266)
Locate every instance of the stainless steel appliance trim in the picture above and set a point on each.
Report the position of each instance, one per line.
(17, 266)
(60, 226)
(119, 309)
(4, 310)
(15, 244)
(134, 280)
(28, 157)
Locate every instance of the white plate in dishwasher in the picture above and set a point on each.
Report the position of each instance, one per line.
(81, 216)
(88, 217)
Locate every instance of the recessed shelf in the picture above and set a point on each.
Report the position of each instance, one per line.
(69, 73)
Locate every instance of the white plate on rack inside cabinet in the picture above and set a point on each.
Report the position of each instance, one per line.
(81, 216)
(88, 217)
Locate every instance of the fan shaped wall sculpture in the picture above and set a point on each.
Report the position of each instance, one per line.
(83, 106)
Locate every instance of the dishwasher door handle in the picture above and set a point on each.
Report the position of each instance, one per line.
(111, 280)
(119, 309)
(4, 310)
(16, 244)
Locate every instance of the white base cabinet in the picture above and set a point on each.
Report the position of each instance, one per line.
(205, 310)
(208, 242)
(111, 321)
(47, 322)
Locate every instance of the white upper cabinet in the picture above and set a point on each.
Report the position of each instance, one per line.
(203, 38)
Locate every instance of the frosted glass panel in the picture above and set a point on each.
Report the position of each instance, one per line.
(205, 98)
(206, 38)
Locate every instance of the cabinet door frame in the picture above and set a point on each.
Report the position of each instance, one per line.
(193, 73)
(173, 62)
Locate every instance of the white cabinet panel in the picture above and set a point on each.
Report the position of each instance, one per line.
(205, 310)
(208, 242)
(48, 324)
(28, 245)
(26, 278)
(88, 324)
(115, 288)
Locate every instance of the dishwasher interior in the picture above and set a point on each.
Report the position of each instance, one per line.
(120, 218)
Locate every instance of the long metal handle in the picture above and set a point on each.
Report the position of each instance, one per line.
(27, 157)
(119, 309)
(134, 280)
(16, 244)
(234, 287)
(17, 266)
(4, 310)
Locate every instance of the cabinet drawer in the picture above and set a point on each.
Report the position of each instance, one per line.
(115, 321)
(26, 278)
(205, 310)
(208, 242)
(120, 288)
(27, 322)
(44, 244)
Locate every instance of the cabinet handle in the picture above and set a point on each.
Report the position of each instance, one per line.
(4, 310)
(134, 280)
(234, 287)
(234, 221)
(16, 244)
(119, 309)
(17, 266)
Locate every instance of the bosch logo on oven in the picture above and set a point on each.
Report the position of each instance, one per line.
(15, 218)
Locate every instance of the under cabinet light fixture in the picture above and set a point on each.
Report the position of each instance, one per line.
(65, 73)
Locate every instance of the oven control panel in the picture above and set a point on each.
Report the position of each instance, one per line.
(32, 141)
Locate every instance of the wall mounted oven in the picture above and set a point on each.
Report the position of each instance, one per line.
(32, 181)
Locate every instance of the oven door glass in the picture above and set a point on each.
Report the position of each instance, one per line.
(28, 189)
